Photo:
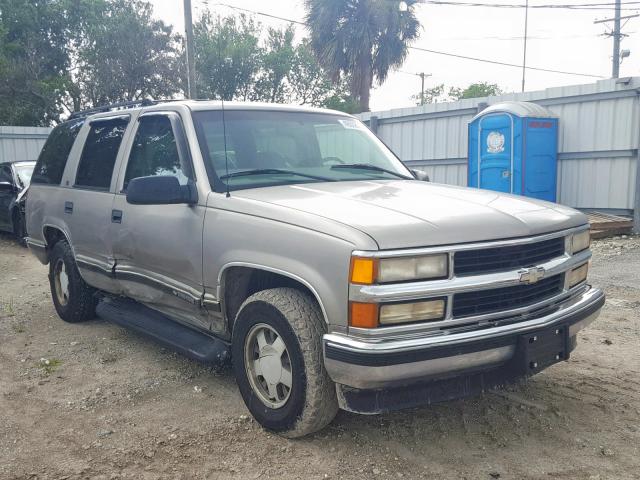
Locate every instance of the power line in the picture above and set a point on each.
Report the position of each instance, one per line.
(506, 64)
(569, 6)
(436, 52)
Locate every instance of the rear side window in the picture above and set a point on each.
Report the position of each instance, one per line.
(155, 152)
(54, 154)
(5, 174)
(99, 153)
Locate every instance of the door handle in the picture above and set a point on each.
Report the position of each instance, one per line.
(68, 207)
(116, 216)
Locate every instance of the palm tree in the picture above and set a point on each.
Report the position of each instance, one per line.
(361, 39)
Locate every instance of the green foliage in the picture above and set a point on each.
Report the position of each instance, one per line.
(227, 56)
(124, 54)
(361, 40)
(33, 61)
(59, 56)
(233, 63)
(475, 90)
(430, 95)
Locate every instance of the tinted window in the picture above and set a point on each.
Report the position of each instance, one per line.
(5, 174)
(155, 152)
(99, 154)
(54, 154)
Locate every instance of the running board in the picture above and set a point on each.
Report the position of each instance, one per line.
(192, 343)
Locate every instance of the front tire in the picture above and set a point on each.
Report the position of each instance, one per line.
(74, 300)
(278, 362)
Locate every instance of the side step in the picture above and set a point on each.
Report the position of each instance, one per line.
(189, 342)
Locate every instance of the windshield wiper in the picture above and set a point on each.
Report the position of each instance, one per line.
(272, 171)
(368, 166)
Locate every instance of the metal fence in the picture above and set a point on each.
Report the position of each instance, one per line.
(598, 140)
(21, 143)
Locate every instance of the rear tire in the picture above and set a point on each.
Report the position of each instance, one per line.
(74, 300)
(278, 362)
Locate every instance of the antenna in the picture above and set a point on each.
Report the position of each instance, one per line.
(224, 140)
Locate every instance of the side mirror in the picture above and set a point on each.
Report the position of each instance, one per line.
(420, 175)
(6, 187)
(160, 190)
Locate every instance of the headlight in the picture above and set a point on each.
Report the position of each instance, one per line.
(401, 269)
(392, 314)
(579, 241)
(578, 275)
(372, 315)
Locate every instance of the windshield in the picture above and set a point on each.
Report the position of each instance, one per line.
(265, 148)
(23, 172)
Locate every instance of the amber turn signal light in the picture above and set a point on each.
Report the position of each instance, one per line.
(363, 315)
(363, 270)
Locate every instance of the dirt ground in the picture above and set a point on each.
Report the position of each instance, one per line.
(96, 401)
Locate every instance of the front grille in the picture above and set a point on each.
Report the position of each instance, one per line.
(472, 262)
(506, 298)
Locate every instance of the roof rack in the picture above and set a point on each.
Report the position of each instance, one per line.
(118, 106)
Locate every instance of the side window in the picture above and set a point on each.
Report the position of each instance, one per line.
(154, 152)
(5, 174)
(54, 154)
(99, 153)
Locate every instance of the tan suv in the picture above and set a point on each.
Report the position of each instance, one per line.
(292, 241)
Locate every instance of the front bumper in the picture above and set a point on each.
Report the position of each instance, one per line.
(360, 366)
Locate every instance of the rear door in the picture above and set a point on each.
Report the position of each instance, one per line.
(87, 205)
(158, 248)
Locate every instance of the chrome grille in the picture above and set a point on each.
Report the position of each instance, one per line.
(497, 299)
(473, 262)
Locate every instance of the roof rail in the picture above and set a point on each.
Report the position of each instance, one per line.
(117, 106)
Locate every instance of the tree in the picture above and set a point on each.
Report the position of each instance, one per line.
(309, 84)
(475, 90)
(33, 61)
(431, 95)
(228, 56)
(361, 39)
(276, 62)
(124, 54)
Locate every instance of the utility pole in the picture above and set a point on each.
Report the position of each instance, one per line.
(524, 52)
(615, 71)
(617, 36)
(422, 76)
(191, 65)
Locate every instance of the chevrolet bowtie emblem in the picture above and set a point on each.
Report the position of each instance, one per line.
(531, 275)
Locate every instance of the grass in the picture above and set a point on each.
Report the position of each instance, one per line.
(48, 366)
(18, 327)
(8, 307)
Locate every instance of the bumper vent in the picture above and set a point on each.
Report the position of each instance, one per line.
(499, 299)
(487, 260)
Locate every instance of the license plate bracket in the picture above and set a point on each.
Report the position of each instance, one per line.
(543, 348)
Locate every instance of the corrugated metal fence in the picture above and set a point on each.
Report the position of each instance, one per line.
(598, 144)
(21, 143)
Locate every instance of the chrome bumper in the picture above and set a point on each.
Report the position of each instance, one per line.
(370, 365)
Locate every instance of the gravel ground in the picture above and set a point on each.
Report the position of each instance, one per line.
(96, 401)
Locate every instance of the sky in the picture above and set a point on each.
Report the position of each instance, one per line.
(558, 39)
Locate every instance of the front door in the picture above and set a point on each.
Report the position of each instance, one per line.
(158, 248)
(495, 153)
(7, 194)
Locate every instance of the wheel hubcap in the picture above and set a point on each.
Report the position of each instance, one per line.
(268, 365)
(61, 282)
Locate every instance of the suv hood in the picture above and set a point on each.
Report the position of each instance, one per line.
(406, 214)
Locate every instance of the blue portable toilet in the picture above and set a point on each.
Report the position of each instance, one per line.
(513, 148)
